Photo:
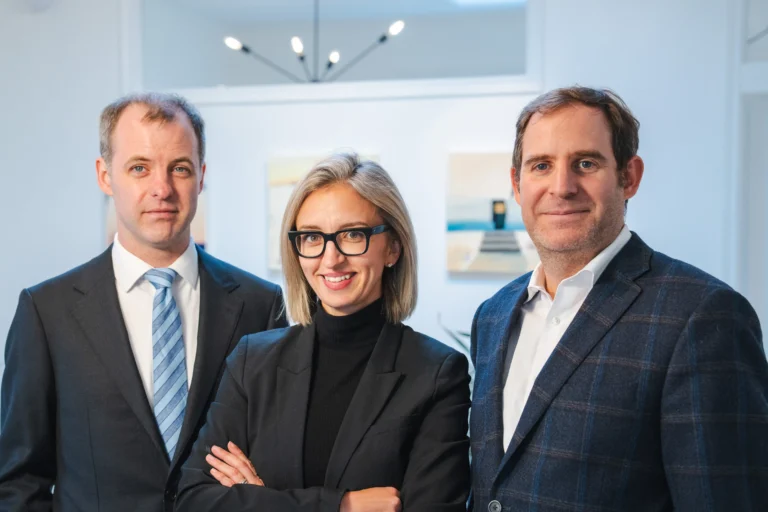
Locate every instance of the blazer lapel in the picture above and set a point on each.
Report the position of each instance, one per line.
(489, 383)
(376, 386)
(220, 311)
(99, 315)
(294, 375)
(614, 292)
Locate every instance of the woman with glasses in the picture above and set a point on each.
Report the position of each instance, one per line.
(349, 410)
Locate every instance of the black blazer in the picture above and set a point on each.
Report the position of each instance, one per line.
(406, 426)
(74, 410)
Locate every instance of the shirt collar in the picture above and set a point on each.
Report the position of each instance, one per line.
(591, 272)
(129, 268)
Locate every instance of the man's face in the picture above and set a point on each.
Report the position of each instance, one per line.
(569, 189)
(154, 179)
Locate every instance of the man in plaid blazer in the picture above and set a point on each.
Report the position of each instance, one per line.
(612, 378)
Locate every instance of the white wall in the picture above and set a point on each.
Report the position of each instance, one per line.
(411, 136)
(184, 49)
(756, 22)
(669, 61)
(756, 191)
(59, 68)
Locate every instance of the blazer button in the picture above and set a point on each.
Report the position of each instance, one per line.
(494, 506)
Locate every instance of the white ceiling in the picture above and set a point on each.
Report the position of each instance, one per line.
(249, 11)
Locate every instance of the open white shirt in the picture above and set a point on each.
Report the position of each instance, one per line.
(136, 296)
(541, 324)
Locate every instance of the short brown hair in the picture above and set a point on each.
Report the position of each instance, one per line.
(373, 183)
(162, 107)
(623, 125)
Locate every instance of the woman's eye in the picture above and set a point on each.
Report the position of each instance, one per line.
(355, 236)
(311, 239)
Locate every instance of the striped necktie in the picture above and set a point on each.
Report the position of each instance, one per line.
(169, 368)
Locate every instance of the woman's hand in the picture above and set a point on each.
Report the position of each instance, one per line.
(376, 499)
(232, 467)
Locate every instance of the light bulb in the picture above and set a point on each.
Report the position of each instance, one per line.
(233, 43)
(297, 45)
(396, 27)
(334, 57)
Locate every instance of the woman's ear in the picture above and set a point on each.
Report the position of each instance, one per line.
(395, 248)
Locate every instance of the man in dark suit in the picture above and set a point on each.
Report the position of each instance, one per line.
(111, 367)
(613, 377)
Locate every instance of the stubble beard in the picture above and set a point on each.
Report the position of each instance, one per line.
(580, 250)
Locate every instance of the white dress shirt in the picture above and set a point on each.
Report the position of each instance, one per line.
(136, 296)
(541, 324)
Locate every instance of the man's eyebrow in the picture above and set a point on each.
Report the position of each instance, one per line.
(587, 153)
(180, 160)
(534, 158)
(138, 158)
(597, 155)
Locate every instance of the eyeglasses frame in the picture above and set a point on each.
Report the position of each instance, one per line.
(331, 237)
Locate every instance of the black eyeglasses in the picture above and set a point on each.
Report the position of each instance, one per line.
(349, 242)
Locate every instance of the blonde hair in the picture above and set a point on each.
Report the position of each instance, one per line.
(374, 184)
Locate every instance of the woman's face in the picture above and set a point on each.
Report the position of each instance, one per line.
(345, 284)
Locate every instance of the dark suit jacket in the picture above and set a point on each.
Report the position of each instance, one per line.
(656, 398)
(74, 410)
(406, 426)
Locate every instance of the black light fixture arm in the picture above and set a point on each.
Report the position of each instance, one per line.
(271, 64)
(298, 48)
(360, 56)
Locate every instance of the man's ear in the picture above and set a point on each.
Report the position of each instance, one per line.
(515, 185)
(633, 176)
(103, 177)
(202, 178)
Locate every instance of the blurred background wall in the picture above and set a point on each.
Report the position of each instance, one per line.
(685, 68)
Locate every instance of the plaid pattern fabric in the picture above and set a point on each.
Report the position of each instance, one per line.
(656, 398)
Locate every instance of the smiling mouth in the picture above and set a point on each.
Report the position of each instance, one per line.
(337, 279)
(569, 212)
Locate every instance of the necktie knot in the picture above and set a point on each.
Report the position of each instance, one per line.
(160, 277)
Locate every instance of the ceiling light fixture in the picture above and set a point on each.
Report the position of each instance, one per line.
(333, 58)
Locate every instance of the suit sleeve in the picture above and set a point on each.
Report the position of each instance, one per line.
(473, 356)
(437, 476)
(27, 415)
(277, 314)
(227, 421)
(714, 417)
(473, 337)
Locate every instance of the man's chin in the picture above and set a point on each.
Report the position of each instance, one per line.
(168, 242)
(561, 244)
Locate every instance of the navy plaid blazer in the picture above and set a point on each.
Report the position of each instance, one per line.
(655, 398)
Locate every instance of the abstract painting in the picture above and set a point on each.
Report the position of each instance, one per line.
(485, 231)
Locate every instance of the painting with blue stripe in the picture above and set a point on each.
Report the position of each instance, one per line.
(485, 231)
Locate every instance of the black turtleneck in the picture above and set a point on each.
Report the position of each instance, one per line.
(343, 345)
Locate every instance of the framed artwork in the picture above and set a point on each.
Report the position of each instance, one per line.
(283, 173)
(485, 231)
